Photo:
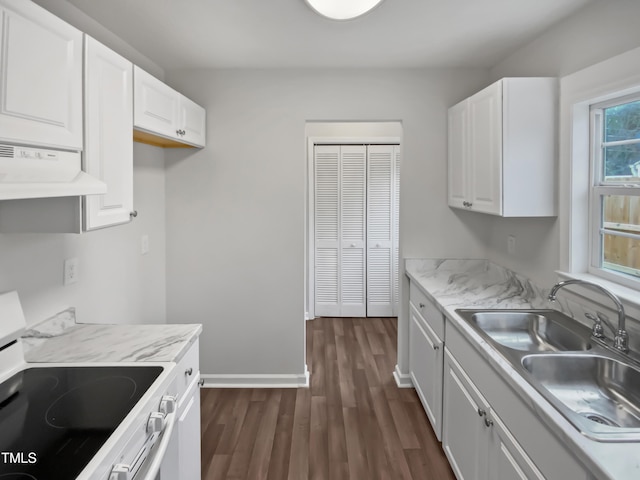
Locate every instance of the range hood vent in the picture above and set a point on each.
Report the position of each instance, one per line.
(6, 151)
(29, 172)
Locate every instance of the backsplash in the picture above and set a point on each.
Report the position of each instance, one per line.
(48, 328)
(479, 283)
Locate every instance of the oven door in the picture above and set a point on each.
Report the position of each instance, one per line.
(143, 461)
(156, 459)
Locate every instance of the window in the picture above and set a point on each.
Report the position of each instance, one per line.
(615, 191)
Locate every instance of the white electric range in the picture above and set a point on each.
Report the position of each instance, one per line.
(82, 421)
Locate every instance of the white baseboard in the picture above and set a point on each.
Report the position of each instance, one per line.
(256, 381)
(403, 380)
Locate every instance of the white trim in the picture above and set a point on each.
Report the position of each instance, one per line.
(403, 380)
(355, 140)
(256, 380)
(611, 79)
(311, 142)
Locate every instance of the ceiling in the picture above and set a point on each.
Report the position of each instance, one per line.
(288, 34)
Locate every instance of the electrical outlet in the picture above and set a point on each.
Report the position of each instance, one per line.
(144, 244)
(70, 271)
(511, 245)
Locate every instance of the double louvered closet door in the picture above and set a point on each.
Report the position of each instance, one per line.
(356, 230)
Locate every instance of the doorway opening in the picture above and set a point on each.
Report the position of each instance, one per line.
(352, 234)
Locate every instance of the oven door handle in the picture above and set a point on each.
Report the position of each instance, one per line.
(153, 468)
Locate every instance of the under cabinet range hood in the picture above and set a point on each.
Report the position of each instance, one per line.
(31, 172)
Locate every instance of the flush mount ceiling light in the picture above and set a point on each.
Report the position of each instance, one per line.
(342, 9)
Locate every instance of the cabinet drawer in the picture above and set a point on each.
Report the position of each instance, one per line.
(427, 310)
(188, 371)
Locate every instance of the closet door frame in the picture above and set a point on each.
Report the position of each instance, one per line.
(310, 230)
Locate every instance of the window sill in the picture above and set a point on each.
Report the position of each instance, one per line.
(629, 297)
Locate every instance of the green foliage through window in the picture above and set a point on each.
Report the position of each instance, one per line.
(622, 123)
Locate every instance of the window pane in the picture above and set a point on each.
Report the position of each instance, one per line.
(622, 122)
(622, 163)
(621, 213)
(622, 255)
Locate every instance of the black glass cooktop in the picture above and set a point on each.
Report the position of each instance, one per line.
(53, 420)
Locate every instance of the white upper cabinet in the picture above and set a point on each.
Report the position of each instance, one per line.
(502, 149)
(485, 150)
(164, 117)
(108, 139)
(156, 105)
(458, 173)
(192, 119)
(40, 77)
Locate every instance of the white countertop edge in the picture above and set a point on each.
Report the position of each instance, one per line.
(600, 463)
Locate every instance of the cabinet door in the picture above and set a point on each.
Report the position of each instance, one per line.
(425, 367)
(507, 460)
(464, 436)
(40, 78)
(381, 228)
(485, 149)
(189, 438)
(108, 126)
(192, 122)
(156, 105)
(340, 234)
(458, 168)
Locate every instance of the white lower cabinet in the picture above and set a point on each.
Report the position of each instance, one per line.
(475, 440)
(464, 439)
(182, 458)
(425, 360)
(507, 460)
(189, 437)
(488, 431)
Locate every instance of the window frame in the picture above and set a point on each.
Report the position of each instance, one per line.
(598, 189)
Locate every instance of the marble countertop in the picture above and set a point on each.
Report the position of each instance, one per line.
(60, 339)
(453, 284)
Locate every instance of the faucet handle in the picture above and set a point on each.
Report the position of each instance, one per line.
(597, 330)
(621, 341)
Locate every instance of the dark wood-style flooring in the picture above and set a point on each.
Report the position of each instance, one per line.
(352, 423)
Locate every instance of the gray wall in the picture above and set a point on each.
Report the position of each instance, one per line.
(236, 210)
(116, 283)
(599, 31)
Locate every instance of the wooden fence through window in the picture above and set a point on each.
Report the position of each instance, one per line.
(622, 213)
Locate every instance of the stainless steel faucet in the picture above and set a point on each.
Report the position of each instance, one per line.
(621, 339)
